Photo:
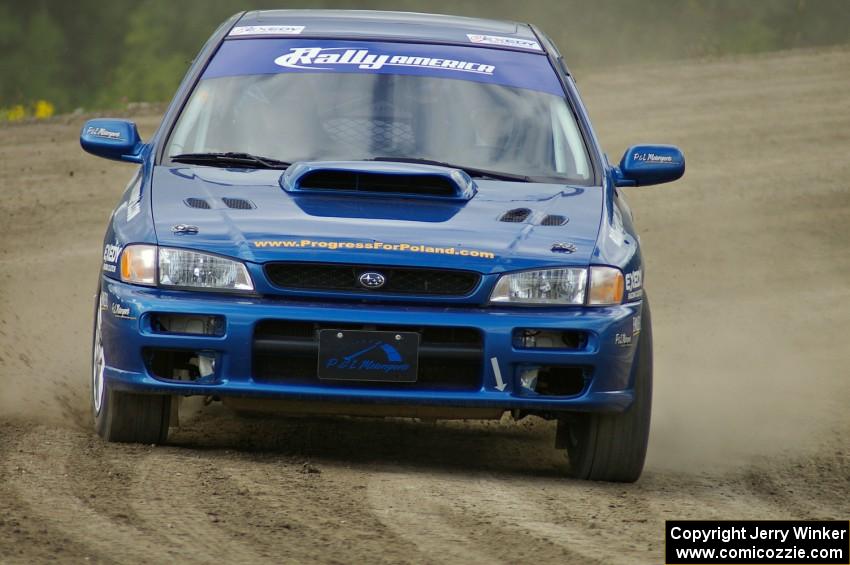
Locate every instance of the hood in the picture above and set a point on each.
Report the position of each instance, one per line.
(247, 214)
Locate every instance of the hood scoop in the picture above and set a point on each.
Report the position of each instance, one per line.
(381, 179)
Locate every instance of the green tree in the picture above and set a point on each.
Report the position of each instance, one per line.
(33, 66)
(101, 53)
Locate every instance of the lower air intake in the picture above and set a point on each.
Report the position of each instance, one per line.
(287, 352)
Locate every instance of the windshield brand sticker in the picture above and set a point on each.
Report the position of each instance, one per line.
(504, 41)
(266, 54)
(266, 30)
(310, 57)
(373, 246)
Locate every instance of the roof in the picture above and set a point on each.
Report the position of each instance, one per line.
(399, 26)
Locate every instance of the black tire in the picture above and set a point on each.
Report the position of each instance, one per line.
(123, 416)
(612, 447)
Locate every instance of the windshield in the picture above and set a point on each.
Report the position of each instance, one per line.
(302, 113)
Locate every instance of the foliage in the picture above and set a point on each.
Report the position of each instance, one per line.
(109, 52)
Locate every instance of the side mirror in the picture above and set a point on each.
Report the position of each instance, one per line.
(643, 165)
(112, 139)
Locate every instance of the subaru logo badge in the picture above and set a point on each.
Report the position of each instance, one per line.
(372, 280)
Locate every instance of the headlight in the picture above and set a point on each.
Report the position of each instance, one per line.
(606, 286)
(182, 268)
(561, 286)
(549, 286)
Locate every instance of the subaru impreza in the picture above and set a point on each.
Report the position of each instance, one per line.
(378, 214)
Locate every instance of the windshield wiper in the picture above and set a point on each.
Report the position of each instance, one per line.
(471, 171)
(230, 158)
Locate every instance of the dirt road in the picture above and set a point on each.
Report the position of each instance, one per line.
(748, 269)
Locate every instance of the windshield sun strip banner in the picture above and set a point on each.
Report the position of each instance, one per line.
(480, 64)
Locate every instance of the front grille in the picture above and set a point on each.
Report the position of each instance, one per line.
(398, 280)
(287, 352)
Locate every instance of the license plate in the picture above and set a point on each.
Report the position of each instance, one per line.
(357, 355)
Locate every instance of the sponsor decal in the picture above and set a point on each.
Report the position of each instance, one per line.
(652, 158)
(636, 325)
(111, 252)
(389, 359)
(122, 312)
(331, 58)
(634, 284)
(623, 339)
(110, 257)
(373, 246)
(104, 302)
(617, 233)
(134, 202)
(103, 133)
(563, 247)
(504, 41)
(133, 210)
(266, 30)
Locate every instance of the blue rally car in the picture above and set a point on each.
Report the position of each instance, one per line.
(378, 214)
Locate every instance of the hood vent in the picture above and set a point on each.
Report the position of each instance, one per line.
(238, 203)
(516, 215)
(554, 220)
(198, 203)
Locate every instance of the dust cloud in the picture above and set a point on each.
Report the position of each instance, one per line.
(747, 255)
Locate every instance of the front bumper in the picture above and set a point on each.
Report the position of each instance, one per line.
(607, 357)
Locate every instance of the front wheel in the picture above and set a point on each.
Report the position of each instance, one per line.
(612, 447)
(123, 416)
